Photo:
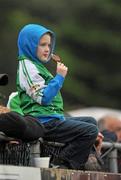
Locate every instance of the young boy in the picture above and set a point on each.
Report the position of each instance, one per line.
(39, 96)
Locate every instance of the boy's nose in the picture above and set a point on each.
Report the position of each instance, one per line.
(47, 48)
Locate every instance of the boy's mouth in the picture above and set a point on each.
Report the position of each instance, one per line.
(45, 55)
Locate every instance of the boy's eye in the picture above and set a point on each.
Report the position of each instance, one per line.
(44, 44)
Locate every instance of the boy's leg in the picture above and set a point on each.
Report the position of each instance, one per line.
(87, 119)
(79, 137)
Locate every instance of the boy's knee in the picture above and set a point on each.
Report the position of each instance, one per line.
(93, 121)
(93, 131)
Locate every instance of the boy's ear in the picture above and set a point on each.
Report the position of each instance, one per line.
(3, 79)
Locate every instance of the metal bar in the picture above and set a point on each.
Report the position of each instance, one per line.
(35, 152)
(113, 164)
(110, 144)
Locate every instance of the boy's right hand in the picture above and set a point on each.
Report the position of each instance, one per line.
(61, 69)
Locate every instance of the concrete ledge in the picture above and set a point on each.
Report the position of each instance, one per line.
(32, 173)
(19, 173)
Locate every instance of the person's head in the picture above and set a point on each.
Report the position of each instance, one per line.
(36, 42)
(111, 123)
(44, 47)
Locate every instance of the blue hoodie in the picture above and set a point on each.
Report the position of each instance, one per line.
(28, 41)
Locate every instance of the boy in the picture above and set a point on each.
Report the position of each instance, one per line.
(39, 96)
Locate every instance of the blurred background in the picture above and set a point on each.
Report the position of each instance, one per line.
(88, 36)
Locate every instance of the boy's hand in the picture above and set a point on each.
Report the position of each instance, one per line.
(61, 69)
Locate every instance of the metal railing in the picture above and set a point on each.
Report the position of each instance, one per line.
(24, 154)
(111, 154)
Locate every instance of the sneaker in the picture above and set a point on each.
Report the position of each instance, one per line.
(92, 164)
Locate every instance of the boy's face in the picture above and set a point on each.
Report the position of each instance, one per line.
(43, 50)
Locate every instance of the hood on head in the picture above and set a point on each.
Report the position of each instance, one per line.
(29, 38)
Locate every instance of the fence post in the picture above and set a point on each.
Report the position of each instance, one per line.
(35, 152)
(113, 165)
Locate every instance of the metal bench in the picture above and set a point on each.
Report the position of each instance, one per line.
(16, 152)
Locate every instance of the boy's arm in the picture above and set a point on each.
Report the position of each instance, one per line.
(55, 85)
(52, 89)
(34, 84)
